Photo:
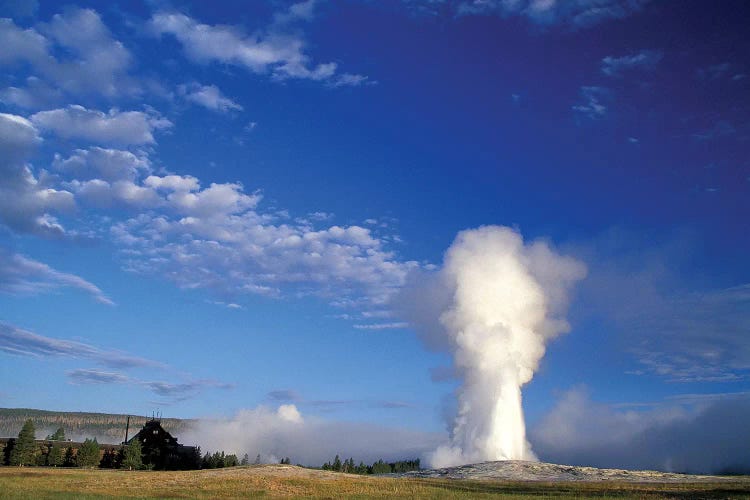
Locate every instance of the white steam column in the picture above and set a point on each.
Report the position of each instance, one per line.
(508, 300)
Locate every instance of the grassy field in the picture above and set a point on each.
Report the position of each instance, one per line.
(295, 482)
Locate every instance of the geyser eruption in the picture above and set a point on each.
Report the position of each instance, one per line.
(507, 299)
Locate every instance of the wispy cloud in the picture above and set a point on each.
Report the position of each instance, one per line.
(91, 376)
(328, 405)
(20, 275)
(16, 341)
(721, 128)
(592, 105)
(382, 326)
(578, 14)
(208, 96)
(644, 60)
(283, 395)
(173, 392)
(714, 72)
(673, 331)
(274, 51)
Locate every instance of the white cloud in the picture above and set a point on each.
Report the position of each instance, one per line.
(36, 94)
(309, 440)
(714, 72)
(26, 199)
(173, 182)
(115, 127)
(208, 96)
(106, 164)
(382, 326)
(275, 52)
(19, 342)
(697, 435)
(592, 105)
(20, 275)
(234, 249)
(578, 13)
(644, 60)
(673, 330)
(349, 80)
(300, 11)
(173, 392)
(95, 62)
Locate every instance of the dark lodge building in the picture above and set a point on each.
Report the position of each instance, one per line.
(161, 451)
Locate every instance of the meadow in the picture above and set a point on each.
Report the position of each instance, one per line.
(284, 481)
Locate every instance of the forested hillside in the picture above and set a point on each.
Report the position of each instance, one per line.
(106, 427)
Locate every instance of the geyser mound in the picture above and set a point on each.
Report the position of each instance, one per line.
(507, 299)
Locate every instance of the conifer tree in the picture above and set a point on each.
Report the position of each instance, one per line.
(88, 454)
(59, 435)
(245, 460)
(70, 457)
(56, 455)
(23, 450)
(132, 456)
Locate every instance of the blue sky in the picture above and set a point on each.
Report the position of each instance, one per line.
(211, 207)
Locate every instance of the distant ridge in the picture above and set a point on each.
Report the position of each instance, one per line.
(106, 427)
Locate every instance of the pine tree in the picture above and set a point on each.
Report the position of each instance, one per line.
(109, 459)
(88, 454)
(245, 460)
(59, 435)
(132, 457)
(23, 450)
(56, 455)
(257, 459)
(336, 464)
(70, 457)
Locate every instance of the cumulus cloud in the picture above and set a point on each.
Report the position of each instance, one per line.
(14, 340)
(95, 61)
(309, 440)
(20, 275)
(26, 200)
(36, 94)
(99, 163)
(275, 52)
(217, 238)
(114, 127)
(708, 435)
(208, 96)
(644, 60)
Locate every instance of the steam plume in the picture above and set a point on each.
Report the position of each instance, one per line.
(507, 299)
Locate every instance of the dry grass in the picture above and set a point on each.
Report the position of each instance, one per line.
(295, 482)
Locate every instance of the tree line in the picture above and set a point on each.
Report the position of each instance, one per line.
(24, 450)
(379, 467)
